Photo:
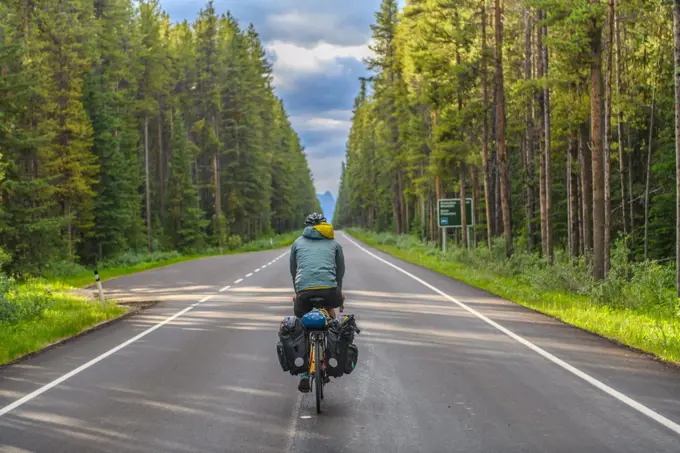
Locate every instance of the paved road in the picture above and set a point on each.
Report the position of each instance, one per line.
(432, 376)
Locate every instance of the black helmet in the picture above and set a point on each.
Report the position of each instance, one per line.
(314, 219)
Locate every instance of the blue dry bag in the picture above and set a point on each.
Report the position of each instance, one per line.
(314, 320)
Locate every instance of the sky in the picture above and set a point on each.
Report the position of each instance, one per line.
(317, 48)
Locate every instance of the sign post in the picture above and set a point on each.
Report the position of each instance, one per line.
(450, 216)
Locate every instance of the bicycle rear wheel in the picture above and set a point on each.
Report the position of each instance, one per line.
(318, 378)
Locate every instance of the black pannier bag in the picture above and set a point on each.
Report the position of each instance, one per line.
(341, 352)
(292, 346)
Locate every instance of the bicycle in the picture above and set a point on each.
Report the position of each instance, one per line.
(316, 325)
(317, 338)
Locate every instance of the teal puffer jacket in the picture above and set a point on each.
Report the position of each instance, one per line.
(317, 260)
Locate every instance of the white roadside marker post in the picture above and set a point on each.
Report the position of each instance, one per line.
(100, 289)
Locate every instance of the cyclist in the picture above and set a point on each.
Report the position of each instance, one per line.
(317, 265)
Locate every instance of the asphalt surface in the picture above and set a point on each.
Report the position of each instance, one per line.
(431, 376)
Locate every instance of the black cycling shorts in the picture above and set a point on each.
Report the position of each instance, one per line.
(332, 298)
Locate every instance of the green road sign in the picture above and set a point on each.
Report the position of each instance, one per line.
(449, 214)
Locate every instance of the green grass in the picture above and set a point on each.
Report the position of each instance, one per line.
(636, 307)
(132, 263)
(53, 313)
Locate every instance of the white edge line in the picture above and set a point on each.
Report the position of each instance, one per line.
(205, 299)
(225, 288)
(238, 281)
(87, 365)
(572, 369)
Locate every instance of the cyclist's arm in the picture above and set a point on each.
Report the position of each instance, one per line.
(339, 265)
(293, 264)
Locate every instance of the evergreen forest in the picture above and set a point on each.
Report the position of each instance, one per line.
(122, 131)
(557, 117)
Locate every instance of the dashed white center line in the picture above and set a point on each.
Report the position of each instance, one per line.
(85, 366)
(258, 270)
(249, 275)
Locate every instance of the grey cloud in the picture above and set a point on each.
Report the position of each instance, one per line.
(308, 28)
(326, 172)
(332, 145)
(351, 18)
(315, 93)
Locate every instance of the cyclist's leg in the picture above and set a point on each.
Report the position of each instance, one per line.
(333, 300)
(302, 305)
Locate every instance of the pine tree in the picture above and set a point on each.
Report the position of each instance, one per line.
(186, 220)
(389, 91)
(150, 86)
(30, 228)
(65, 45)
(110, 106)
(676, 65)
(596, 137)
(209, 109)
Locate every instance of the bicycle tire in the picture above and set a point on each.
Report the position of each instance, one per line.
(323, 366)
(318, 376)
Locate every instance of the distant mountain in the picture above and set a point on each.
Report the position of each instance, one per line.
(327, 205)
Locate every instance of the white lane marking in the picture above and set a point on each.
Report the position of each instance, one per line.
(542, 352)
(238, 281)
(87, 365)
(225, 288)
(258, 270)
(265, 266)
(249, 275)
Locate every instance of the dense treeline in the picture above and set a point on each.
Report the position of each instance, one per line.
(120, 130)
(556, 116)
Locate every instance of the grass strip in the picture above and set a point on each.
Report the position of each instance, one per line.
(64, 315)
(647, 329)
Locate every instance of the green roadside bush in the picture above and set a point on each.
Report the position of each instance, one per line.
(647, 285)
(21, 303)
